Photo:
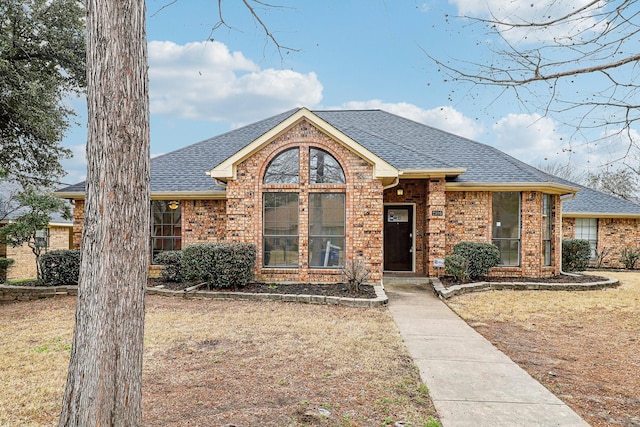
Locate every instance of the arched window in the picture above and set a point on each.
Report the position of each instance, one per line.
(284, 168)
(310, 213)
(324, 168)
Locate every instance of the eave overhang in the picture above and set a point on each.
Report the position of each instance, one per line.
(431, 173)
(159, 195)
(611, 215)
(545, 187)
(226, 170)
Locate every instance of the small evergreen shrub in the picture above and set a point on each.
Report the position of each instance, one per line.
(235, 264)
(60, 267)
(457, 266)
(223, 265)
(4, 265)
(629, 257)
(172, 262)
(481, 257)
(575, 255)
(198, 262)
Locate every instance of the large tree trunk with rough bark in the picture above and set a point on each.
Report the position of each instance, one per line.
(105, 371)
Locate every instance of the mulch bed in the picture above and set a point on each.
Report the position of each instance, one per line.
(336, 290)
(448, 281)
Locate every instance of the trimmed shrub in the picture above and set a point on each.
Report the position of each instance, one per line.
(4, 265)
(223, 265)
(61, 267)
(481, 257)
(629, 257)
(172, 262)
(575, 255)
(457, 266)
(198, 262)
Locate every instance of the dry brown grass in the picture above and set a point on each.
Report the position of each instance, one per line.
(583, 345)
(222, 362)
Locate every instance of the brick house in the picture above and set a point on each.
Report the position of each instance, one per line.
(58, 235)
(315, 189)
(610, 224)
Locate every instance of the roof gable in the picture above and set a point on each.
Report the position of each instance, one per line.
(227, 169)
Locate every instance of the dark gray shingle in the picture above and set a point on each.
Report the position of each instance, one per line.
(405, 144)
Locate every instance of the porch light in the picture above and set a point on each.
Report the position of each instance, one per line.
(400, 192)
(173, 205)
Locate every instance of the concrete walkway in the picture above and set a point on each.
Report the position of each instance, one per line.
(471, 382)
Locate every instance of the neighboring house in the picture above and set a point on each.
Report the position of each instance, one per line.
(58, 235)
(609, 223)
(313, 190)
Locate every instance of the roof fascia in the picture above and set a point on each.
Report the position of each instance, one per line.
(547, 187)
(431, 173)
(166, 195)
(227, 169)
(612, 215)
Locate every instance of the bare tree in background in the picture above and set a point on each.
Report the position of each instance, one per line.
(563, 171)
(619, 182)
(541, 61)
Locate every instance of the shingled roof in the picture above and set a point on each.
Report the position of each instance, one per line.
(403, 143)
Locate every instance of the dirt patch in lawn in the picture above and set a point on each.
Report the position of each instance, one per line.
(583, 346)
(216, 363)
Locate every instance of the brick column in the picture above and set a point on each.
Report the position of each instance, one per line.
(435, 223)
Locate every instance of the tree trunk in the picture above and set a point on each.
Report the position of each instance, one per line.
(105, 371)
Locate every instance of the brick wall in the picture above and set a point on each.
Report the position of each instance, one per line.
(24, 266)
(469, 216)
(78, 222)
(203, 221)
(364, 205)
(614, 234)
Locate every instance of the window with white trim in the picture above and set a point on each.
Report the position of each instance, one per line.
(587, 229)
(546, 229)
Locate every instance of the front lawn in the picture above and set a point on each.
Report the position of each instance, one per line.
(228, 362)
(583, 346)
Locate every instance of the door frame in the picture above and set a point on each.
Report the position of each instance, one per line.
(413, 237)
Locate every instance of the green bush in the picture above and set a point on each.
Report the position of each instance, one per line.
(457, 266)
(481, 257)
(629, 257)
(4, 265)
(575, 255)
(172, 262)
(61, 267)
(223, 265)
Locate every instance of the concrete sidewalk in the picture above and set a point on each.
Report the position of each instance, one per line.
(471, 382)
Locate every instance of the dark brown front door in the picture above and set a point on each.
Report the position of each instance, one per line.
(398, 238)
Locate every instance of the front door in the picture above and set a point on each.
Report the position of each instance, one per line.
(398, 238)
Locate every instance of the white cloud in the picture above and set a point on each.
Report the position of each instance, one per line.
(205, 81)
(445, 118)
(76, 166)
(528, 137)
(526, 11)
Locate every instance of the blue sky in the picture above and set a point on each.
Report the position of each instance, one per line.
(348, 54)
